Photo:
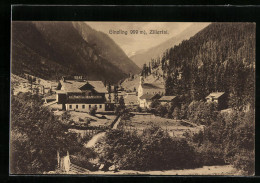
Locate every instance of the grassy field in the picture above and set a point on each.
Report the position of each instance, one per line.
(97, 120)
(20, 84)
(173, 127)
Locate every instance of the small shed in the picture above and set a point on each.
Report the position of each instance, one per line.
(220, 98)
(167, 99)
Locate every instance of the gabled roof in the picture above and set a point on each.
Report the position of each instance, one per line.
(167, 98)
(215, 95)
(74, 86)
(98, 86)
(149, 96)
(152, 86)
(131, 99)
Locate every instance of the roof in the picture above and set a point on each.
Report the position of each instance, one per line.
(74, 86)
(98, 86)
(131, 99)
(50, 97)
(131, 93)
(215, 95)
(149, 96)
(167, 98)
(152, 86)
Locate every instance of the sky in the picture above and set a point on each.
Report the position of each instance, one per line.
(132, 43)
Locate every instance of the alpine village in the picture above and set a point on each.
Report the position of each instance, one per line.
(80, 105)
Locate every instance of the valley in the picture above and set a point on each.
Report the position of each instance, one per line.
(80, 105)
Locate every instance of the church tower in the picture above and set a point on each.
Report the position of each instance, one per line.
(140, 88)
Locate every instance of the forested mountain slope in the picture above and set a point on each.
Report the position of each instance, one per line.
(51, 49)
(221, 57)
(145, 56)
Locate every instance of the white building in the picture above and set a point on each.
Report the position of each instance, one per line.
(82, 95)
(149, 91)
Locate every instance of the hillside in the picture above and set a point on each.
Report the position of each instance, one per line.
(221, 57)
(145, 56)
(52, 49)
(132, 83)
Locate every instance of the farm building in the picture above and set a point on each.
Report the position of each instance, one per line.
(81, 95)
(146, 99)
(220, 98)
(131, 99)
(167, 99)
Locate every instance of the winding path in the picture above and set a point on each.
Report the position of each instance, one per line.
(98, 136)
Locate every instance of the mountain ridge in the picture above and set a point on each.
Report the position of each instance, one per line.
(52, 49)
(155, 52)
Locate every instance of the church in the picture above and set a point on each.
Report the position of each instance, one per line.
(148, 92)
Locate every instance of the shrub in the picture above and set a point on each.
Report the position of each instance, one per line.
(203, 113)
(36, 135)
(229, 139)
(176, 113)
(81, 120)
(126, 115)
(138, 109)
(161, 110)
(93, 111)
(155, 103)
(154, 150)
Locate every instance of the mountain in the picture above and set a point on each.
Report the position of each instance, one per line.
(132, 82)
(221, 57)
(142, 57)
(52, 49)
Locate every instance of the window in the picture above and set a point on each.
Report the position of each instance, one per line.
(83, 106)
(77, 106)
(100, 106)
(70, 106)
(89, 106)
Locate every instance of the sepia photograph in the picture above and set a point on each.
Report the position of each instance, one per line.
(132, 98)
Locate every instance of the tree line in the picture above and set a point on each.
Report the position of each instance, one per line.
(219, 58)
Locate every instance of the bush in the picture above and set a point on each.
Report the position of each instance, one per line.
(155, 103)
(154, 150)
(138, 109)
(36, 135)
(229, 139)
(93, 111)
(203, 113)
(81, 120)
(126, 115)
(161, 110)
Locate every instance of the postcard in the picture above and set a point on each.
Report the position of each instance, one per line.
(132, 98)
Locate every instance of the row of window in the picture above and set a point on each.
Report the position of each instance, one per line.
(83, 106)
(154, 92)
